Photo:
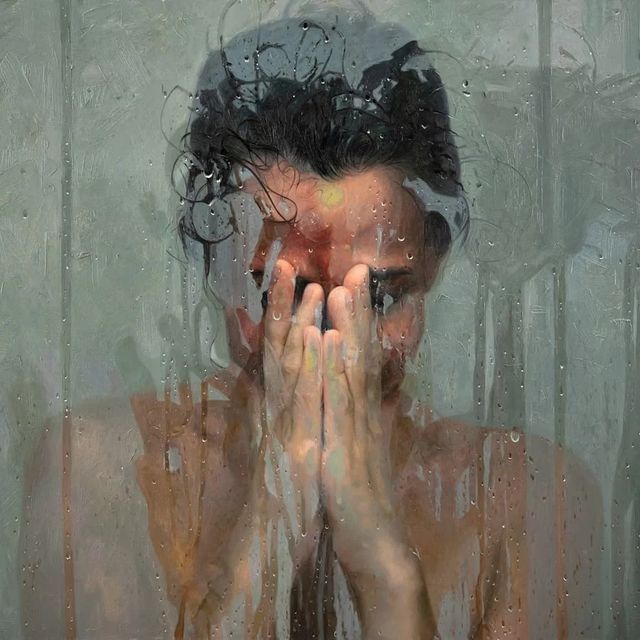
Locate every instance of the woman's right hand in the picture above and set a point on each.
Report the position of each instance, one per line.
(284, 495)
(286, 475)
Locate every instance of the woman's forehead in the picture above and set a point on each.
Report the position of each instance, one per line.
(370, 206)
(324, 227)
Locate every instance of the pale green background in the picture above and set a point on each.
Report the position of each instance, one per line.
(535, 322)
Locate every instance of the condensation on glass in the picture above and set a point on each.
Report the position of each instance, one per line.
(319, 320)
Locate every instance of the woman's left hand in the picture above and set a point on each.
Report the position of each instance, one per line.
(369, 539)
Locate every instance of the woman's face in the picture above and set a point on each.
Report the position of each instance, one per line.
(366, 218)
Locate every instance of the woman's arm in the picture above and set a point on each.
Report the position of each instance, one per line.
(392, 595)
(230, 535)
(369, 538)
(244, 580)
(194, 494)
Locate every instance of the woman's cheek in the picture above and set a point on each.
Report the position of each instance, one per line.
(402, 330)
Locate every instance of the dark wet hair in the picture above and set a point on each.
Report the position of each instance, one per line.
(312, 92)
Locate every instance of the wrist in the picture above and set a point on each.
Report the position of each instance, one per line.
(396, 605)
(391, 594)
(385, 553)
(394, 568)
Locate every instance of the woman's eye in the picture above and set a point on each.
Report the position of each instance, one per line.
(382, 301)
(258, 277)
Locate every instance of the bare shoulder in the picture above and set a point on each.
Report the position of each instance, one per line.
(110, 434)
(510, 460)
(103, 441)
(540, 517)
(520, 486)
(84, 487)
(135, 486)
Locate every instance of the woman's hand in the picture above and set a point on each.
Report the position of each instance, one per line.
(276, 529)
(290, 444)
(368, 538)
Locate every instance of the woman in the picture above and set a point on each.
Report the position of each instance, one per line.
(320, 499)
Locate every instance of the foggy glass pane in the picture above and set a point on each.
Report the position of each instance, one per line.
(319, 319)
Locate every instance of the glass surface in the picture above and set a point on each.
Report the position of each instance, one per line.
(493, 492)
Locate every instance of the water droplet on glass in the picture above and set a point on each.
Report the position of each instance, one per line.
(276, 315)
(515, 436)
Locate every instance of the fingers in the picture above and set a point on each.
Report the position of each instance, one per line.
(357, 277)
(338, 422)
(279, 306)
(338, 404)
(284, 331)
(341, 308)
(308, 393)
(307, 424)
(307, 315)
(349, 308)
(357, 283)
